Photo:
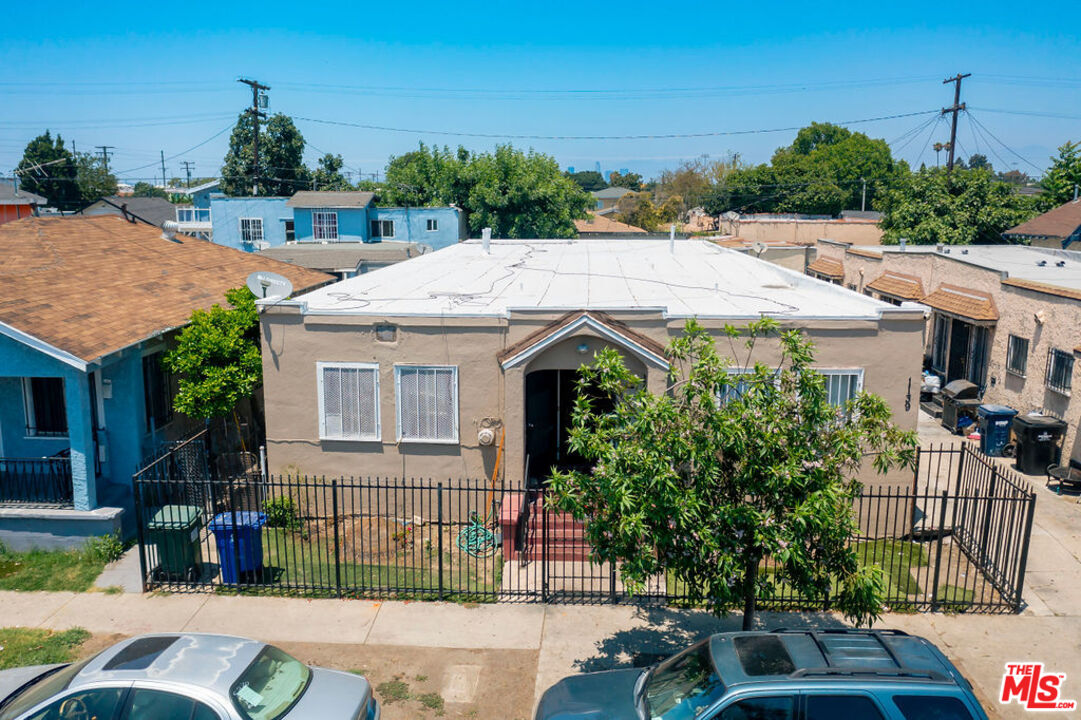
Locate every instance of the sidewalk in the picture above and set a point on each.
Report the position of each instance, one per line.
(567, 639)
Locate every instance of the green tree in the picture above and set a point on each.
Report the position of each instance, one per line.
(217, 357)
(281, 170)
(750, 189)
(48, 169)
(706, 481)
(966, 206)
(92, 179)
(637, 208)
(517, 194)
(328, 176)
(631, 181)
(1063, 176)
(979, 161)
(145, 189)
(588, 180)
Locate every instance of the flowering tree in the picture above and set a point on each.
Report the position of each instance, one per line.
(728, 469)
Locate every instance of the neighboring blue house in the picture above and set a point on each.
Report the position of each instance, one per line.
(351, 217)
(194, 219)
(250, 223)
(83, 395)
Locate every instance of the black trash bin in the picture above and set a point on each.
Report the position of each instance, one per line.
(995, 423)
(959, 401)
(1039, 442)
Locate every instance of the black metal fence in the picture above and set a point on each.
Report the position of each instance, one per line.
(36, 482)
(956, 539)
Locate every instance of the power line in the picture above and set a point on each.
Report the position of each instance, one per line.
(1011, 150)
(656, 136)
(224, 130)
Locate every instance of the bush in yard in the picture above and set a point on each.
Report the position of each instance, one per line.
(106, 548)
(726, 470)
(281, 512)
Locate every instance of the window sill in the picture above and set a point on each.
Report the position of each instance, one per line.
(418, 441)
(45, 437)
(1015, 374)
(1057, 391)
(350, 439)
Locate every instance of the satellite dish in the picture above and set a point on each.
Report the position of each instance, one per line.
(759, 248)
(269, 286)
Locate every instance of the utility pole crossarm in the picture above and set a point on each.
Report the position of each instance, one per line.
(256, 114)
(957, 107)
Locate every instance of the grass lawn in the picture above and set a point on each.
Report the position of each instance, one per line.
(30, 646)
(294, 562)
(953, 597)
(73, 570)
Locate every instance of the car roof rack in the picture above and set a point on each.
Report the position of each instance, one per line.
(880, 672)
(876, 634)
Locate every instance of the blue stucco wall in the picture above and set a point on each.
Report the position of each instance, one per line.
(202, 199)
(411, 224)
(225, 214)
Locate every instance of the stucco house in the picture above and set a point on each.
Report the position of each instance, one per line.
(1004, 317)
(16, 203)
(422, 369)
(88, 306)
(1057, 228)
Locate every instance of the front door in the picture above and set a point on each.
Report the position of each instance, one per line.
(958, 361)
(549, 408)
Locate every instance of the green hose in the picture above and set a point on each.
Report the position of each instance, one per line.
(477, 540)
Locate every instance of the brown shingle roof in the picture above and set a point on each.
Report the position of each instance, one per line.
(598, 224)
(93, 285)
(1062, 222)
(971, 304)
(898, 285)
(1043, 288)
(828, 267)
(315, 199)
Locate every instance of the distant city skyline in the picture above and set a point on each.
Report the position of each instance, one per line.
(146, 81)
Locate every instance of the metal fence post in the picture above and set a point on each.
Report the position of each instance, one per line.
(139, 532)
(337, 545)
(938, 550)
(235, 533)
(988, 512)
(439, 526)
(1024, 551)
(960, 468)
(544, 545)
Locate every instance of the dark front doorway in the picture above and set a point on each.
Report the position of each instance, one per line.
(959, 339)
(549, 403)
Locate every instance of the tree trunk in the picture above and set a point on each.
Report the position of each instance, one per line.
(749, 591)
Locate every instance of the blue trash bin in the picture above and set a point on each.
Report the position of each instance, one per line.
(238, 544)
(995, 422)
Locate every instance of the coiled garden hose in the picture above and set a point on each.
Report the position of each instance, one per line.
(476, 540)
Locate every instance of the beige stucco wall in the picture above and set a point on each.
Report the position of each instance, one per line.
(889, 351)
(1017, 309)
(804, 232)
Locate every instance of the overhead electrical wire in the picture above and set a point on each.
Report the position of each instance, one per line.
(224, 130)
(1008, 148)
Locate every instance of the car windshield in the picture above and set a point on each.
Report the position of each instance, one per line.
(270, 686)
(683, 686)
(40, 689)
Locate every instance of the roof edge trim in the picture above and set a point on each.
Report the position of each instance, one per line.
(586, 320)
(43, 347)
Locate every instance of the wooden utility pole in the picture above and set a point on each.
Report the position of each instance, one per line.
(105, 154)
(187, 169)
(256, 114)
(957, 107)
(164, 183)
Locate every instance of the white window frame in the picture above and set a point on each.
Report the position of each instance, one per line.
(319, 368)
(431, 225)
(253, 222)
(1010, 356)
(323, 221)
(398, 368)
(382, 228)
(828, 372)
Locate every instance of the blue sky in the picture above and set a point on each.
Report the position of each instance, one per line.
(146, 77)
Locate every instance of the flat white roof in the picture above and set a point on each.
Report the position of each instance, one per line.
(696, 279)
(1017, 261)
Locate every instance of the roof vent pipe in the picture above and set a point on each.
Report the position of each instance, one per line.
(672, 238)
(903, 242)
(486, 239)
(168, 230)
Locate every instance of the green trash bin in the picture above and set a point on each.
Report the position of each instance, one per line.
(174, 530)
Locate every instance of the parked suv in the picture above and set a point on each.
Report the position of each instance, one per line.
(778, 675)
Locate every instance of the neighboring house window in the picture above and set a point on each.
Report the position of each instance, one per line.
(1059, 375)
(251, 230)
(736, 389)
(157, 391)
(432, 225)
(1017, 356)
(842, 385)
(325, 225)
(942, 339)
(46, 413)
(290, 231)
(383, 228)
(427, 399)
(348, 401)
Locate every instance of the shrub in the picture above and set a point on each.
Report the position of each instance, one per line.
(106, 548)
(281, 512)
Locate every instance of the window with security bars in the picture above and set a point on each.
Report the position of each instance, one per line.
(1059, 376)
(349, 401)
(427, 398)
(158, 391)
(1017, 356)
(46, 412)
(842, 385)
(251, 230)
(325, 225)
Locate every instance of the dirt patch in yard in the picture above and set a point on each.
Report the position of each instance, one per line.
(417, 683)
